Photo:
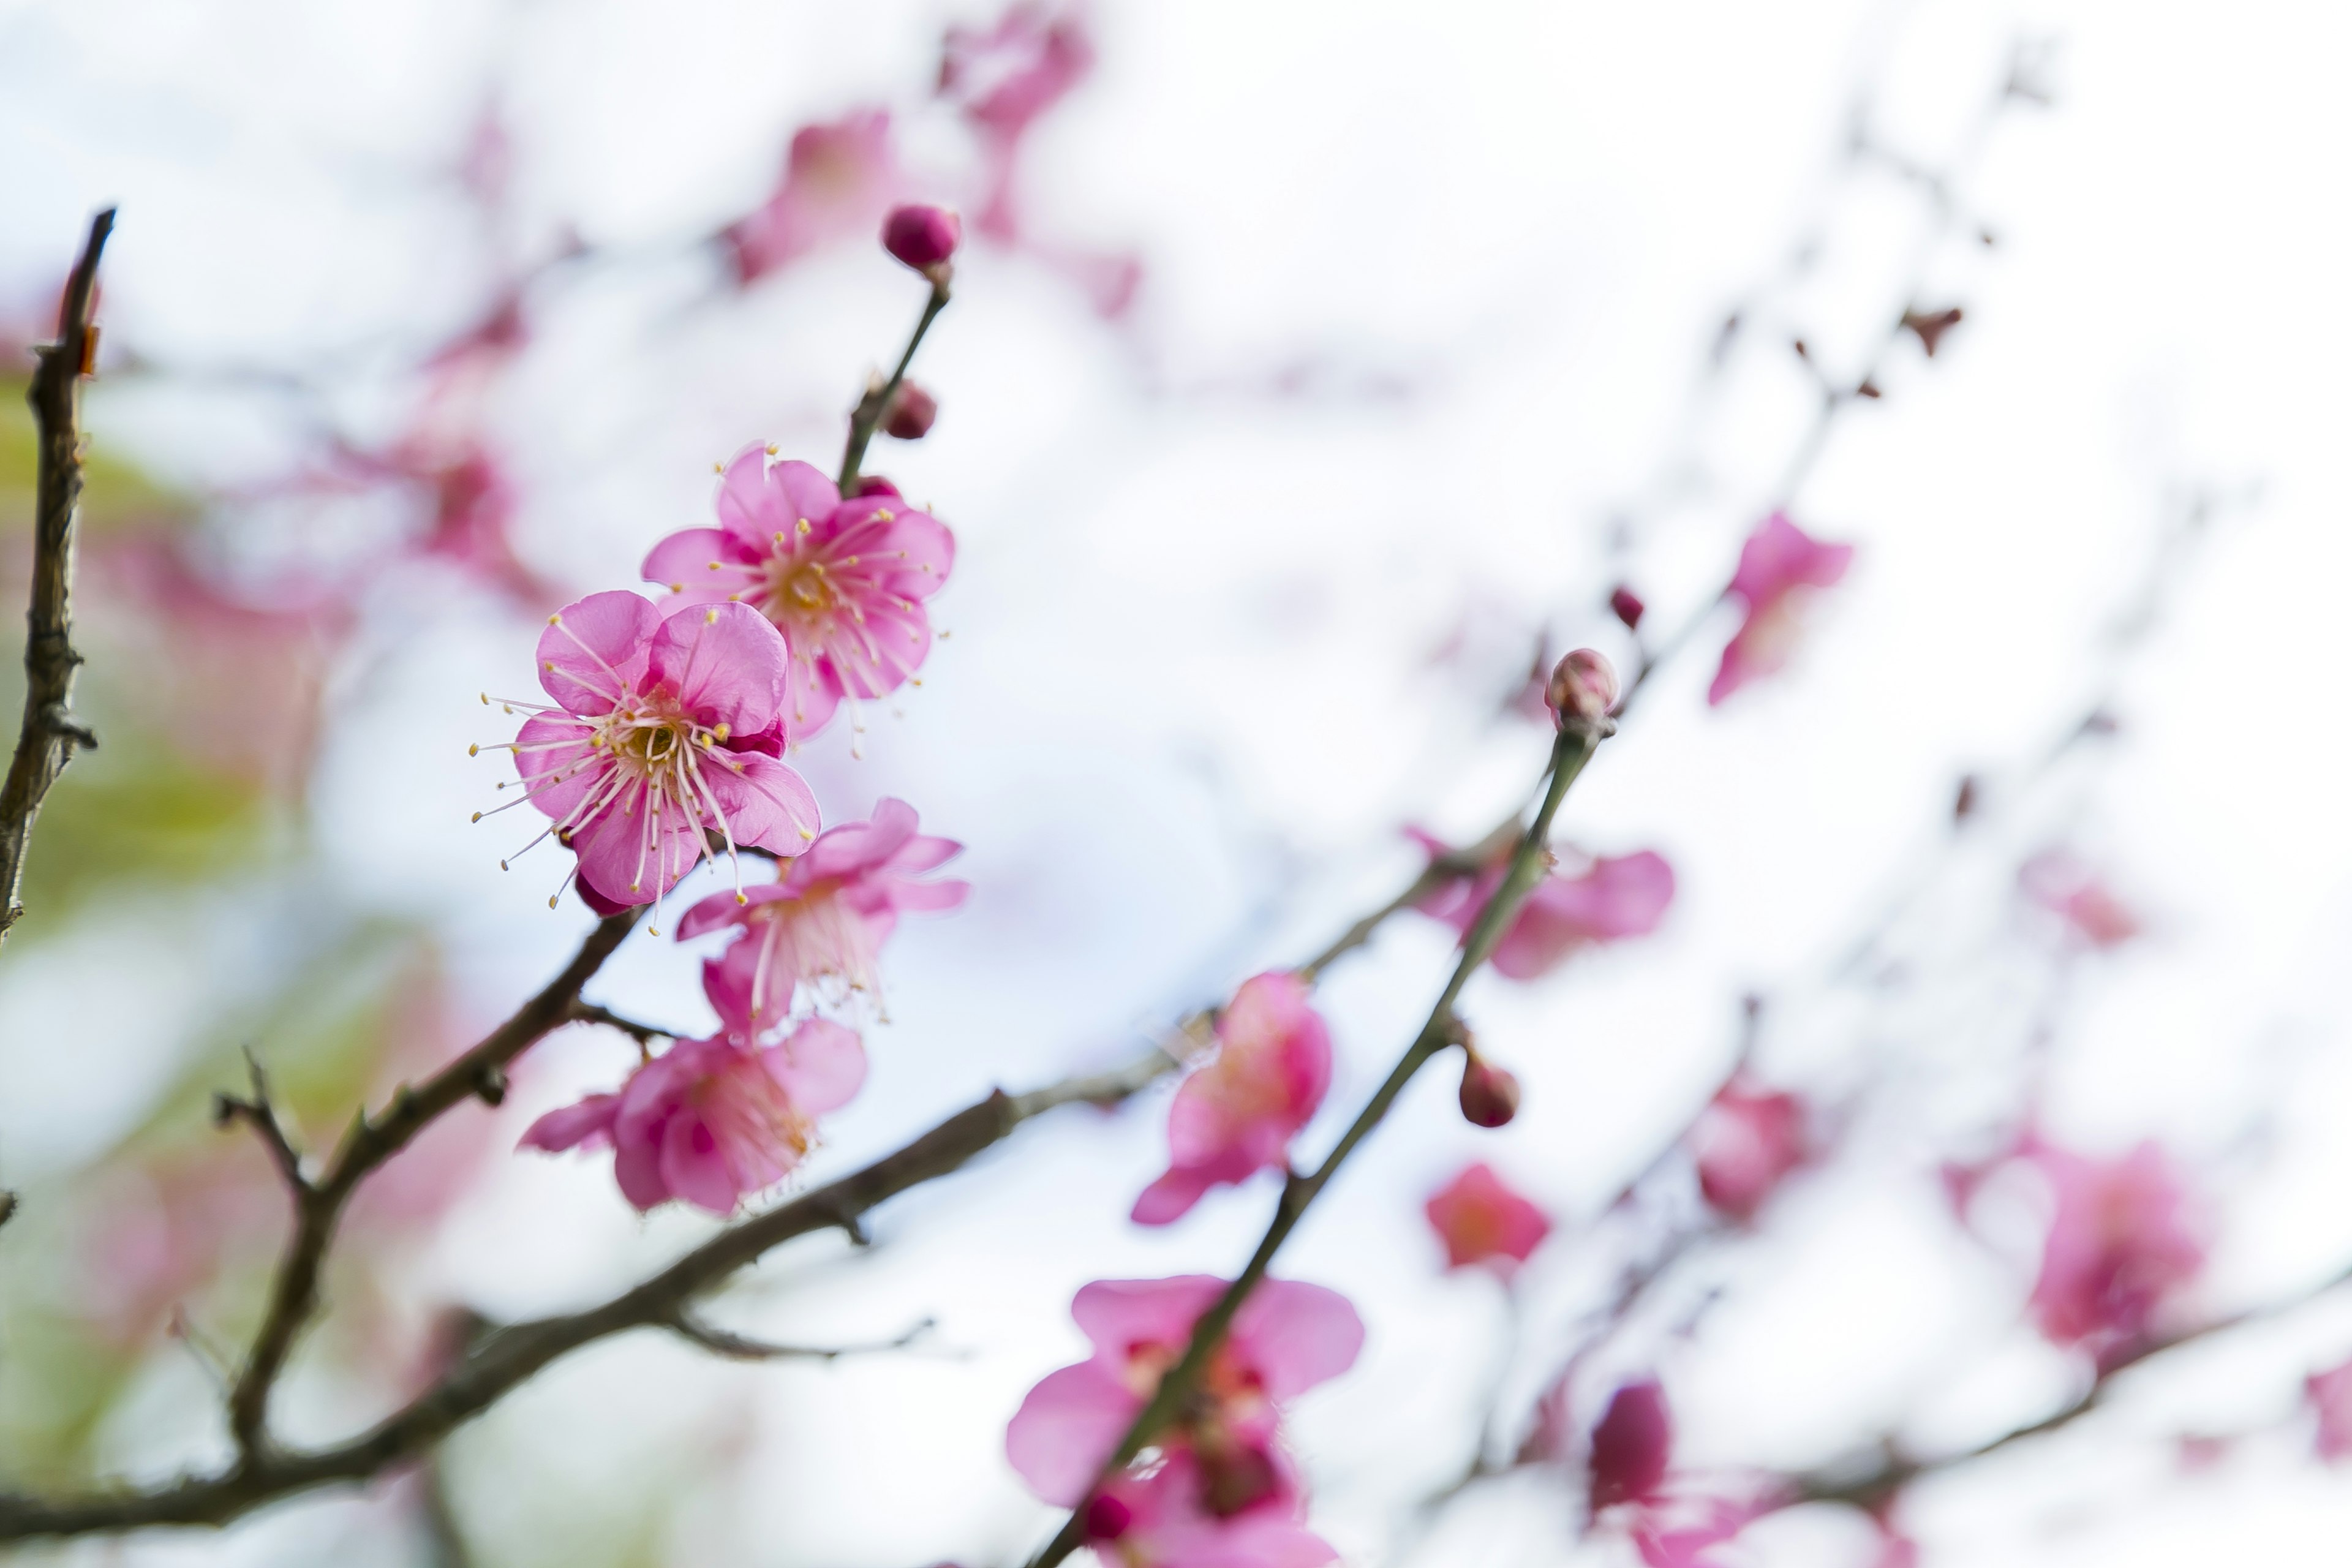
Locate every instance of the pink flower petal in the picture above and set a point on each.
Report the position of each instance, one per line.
(594, 651)
(726, 663)
(1117, 1315)
(822, 1064)
(1067, 1427)
(1296, 1335)
(588, 1123)
(766, 803)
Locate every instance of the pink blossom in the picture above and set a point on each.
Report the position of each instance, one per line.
(1167, 1517)
(1631, 1446)
(661, 731)
(710, 1120)
(1003, 78)
(1609, 898)
(1226, 1476)
(2070, 889)
(1236, 1116)
(2120, 1247)
(1744, 1143)
(844, 580)
(838, 179)
(825, 919)
(1480, 1220)
(1680, 1533)
(2331, 1397)
(1779, 566)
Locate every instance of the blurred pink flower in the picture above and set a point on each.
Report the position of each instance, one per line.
(826, 917)
(1744, 1143)
(2120, 1246)
(1631, 1446)
(1778, 567)
(1236, 1116)
(1679, 1532)
(2070, 889)
(1480, 1220)
(1613, 898)
(844, 580)
(711, 1120)
(838, 179)
(1002, 79)
(2331, 1395)
(1165, 1519)
(659, 733)
(1286, 1338)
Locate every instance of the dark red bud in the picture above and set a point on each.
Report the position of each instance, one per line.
(1490, 1095)
(1627, 606)
(921, 237)
(1108, 1519)
(1631, 1446)
(874, 484)
(911, 413)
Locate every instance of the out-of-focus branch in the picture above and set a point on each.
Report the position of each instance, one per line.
(319, 1203)
(688, 1326)
(875, 404)
(50, 731)
(504, 1358)
(590, 1013)
(261, 1114)
(1573, 749)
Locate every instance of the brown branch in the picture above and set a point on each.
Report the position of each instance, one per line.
(261, 1114)
(318, 1204)
(1573, 749)
(50, 732)
(590, 1013)
(868, 415)
(683, 1322)
(506, 1357)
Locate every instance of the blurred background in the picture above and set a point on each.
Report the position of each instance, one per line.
(1314, 372)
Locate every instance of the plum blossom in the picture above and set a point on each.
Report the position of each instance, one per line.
(843, 580)
(921, 237)
(2331, 1397)
(1003, 78)
(1223, 1492)
(1744, 1142)
(1236, 1116)
(823, 922)
(1481, 1220)
(2065, 887)
(661, 731)
(710, 1120)
(2120, 1247)
(837, 180)
(1609, 898)
(1778, 567)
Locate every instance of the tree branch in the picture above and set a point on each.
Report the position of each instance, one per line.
(506, 1357)
(683, 1322)
(1573, 749)
(370, 1141)
(877, 402)
(590, 1013)
(50, 732)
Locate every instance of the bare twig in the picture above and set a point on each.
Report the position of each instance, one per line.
(590, 1013)
(868, 415)
(506, 1357)
(684, 1323)
(261, 1114)
(366, 1145)
(1573, 749)
(50, 732)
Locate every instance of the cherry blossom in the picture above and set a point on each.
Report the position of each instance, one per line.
(843, 580)
(1744, 1142)
(1223, 1483)
(837, 180)
(1611, 897)
(710, 1120)
(1482, 1221)
(2120, 1247)
(1236, 1116)
(823, 922)
(661, 731)
(2330, 1394)
(1778, 567)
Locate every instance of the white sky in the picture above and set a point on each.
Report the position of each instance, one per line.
(1189, 697)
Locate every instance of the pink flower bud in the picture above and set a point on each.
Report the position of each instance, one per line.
(1490, 1095)
(1584, 688)
(875, 485)
(1108, 1519)
(921, 237)
(911, 413)
(1630, 1445)
(1627, 606)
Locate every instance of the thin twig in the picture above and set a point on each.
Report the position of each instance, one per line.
(1573, 749)
(506, 1357)
(684, 1323)
(870, 409)
(50, 732)
(366, 1145)
(590, 1013)
(261, 1113)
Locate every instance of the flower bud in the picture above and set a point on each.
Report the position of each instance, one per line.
(1490, 1095)
(1627, 606)
(911, 413)
(874, 484)
(922, 237)
(1108, 1518)
(1584, 688)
